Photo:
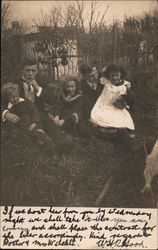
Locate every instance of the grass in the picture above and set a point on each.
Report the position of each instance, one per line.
(33, 177)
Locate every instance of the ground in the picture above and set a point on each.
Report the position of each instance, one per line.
(31, 176)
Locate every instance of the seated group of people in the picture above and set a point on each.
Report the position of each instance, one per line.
(86, 105)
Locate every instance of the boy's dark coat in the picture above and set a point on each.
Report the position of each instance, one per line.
(66, 109)
(90, 97)
(27, 112)
(47, 96)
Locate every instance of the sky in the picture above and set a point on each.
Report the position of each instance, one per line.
(27, 10)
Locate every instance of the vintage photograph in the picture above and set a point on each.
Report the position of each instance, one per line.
(79, 103)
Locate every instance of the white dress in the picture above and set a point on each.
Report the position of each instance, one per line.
(105, 114)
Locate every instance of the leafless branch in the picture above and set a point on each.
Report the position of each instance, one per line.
(5, 14)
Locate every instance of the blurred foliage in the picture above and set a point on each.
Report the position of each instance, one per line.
(133, 42)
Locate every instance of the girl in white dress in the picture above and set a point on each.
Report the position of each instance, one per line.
(111, 109)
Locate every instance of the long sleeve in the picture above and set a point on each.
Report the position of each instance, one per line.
(66, 109)
(99, 89)
(4, 108)
(78, 106)
(46, 94)
(60, 105)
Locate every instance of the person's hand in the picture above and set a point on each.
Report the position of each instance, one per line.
(61, 123)
(56, 118)
(34, 84)
(11, 117)
(32, 126)
(128, 85)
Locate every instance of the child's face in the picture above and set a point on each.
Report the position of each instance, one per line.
(71, 88)
(14, 97)
(115, 77)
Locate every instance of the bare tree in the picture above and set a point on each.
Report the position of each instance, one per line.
(88, 21)
(11, 46)
(5, 14)
(74, 31)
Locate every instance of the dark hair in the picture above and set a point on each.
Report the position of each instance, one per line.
(116, 68)
(85, 69)
(29, 61)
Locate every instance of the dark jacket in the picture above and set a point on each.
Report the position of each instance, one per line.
(90, 97)
(65, 108)
(47, 95)
(27, 112)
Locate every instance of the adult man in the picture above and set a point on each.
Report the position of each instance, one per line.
(39, 94)
(91, 88)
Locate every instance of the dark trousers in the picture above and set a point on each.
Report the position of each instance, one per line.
(53, 131)
(84, 129)
(120, 137)
(81, 129)
(123, 139)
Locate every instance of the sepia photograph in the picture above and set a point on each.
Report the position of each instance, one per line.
(79, 103)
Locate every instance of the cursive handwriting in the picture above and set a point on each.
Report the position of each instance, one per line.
(73, 228)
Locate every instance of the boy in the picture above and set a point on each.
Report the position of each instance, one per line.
(39, 94)
(25, 110)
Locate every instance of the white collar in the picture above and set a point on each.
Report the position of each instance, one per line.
(10, 104)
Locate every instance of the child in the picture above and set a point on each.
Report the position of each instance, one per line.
(110, 110)
(70, 105)
(25, 111)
